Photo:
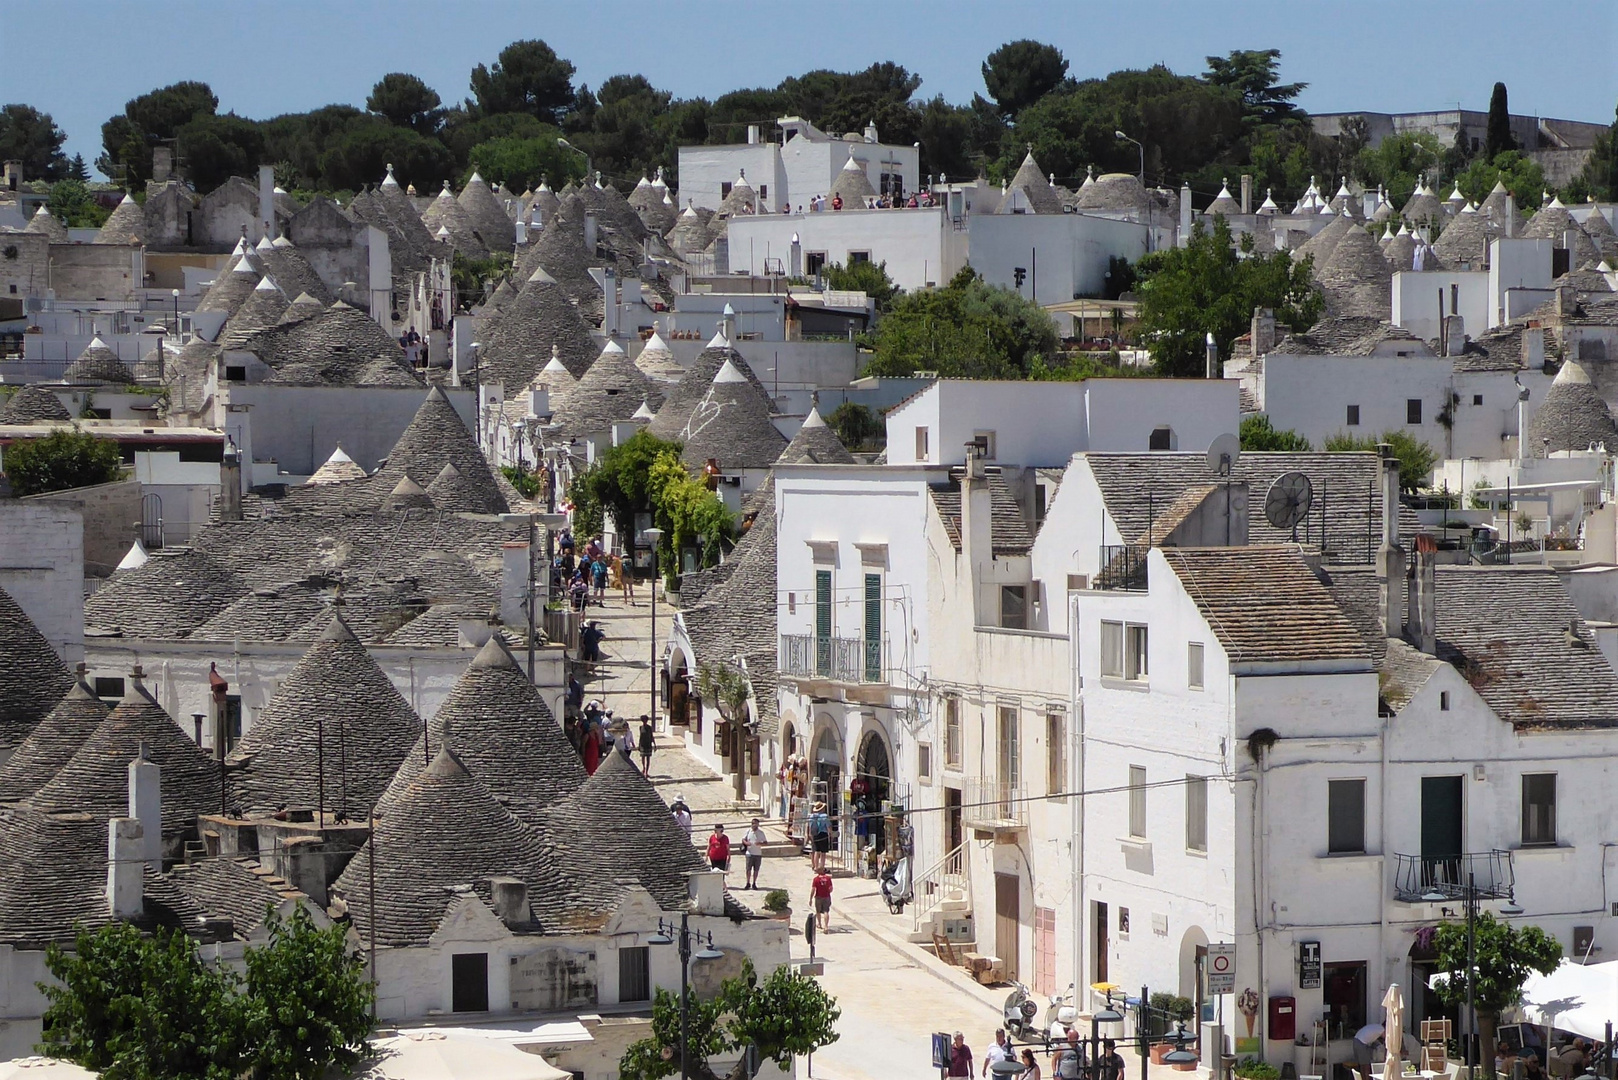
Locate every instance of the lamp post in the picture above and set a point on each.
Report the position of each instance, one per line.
(1436, 895)
(564, 144)
(654, 536)
(1142, 149)
(684, 937)
(1108, 1015)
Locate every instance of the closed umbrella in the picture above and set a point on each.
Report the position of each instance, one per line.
(432, 1055)
(1393, 1006)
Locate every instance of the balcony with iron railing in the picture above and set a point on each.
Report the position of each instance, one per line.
(1485, 875)
(1123, 567)
(814, 656)
(993, 805)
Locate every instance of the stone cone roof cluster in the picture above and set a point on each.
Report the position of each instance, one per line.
(33, 405)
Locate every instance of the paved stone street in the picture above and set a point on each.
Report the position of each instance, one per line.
(623, 679)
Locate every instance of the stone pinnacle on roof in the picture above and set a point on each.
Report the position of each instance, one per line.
(815, 442)
(336, 469)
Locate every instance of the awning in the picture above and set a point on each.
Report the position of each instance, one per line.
(432, 1055)
(1581, 998)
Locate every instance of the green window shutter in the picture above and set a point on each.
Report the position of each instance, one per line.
(873, 627)
(823, 622)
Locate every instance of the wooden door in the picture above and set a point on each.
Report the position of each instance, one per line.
(1101, 942)
(954, 835)
(1007, 922)
(1441, 831)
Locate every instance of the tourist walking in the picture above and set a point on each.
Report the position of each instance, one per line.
(820, 890)
(819, 836)
(753, 841)
(960, 1057)
(682, 815)
(647, 744)
(719, 849)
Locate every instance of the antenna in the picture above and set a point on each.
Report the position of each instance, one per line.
(1288, 501)
(1222, 454)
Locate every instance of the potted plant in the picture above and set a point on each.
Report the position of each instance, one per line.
(1251, 1068)
(776, 903)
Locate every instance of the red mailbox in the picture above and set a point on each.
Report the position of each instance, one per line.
(1283, 1018)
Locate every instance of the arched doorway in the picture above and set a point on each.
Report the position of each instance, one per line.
(826, 757)
(871, 786)
(1193, 960)
(677, 688)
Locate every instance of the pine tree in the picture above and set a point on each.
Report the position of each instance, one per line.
(78, 170)
(1497, 136)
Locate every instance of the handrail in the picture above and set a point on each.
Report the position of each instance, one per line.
(930, 888)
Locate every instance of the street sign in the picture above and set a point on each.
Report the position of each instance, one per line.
(1308, 965)
(1221, 968)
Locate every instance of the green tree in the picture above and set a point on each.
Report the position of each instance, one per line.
(308, 1001)
(1257, 433)
(71, 201)
(405, 101)
(528, 78)
(785, 1016)
(626, 126)
(1416, 458)
(78, 170)
(968, 329)
(139, 1008)
(61, 460)
(688, 511)
(519, 162)
(1255, 73)
(857, 426)
(620, 480)
(1497, 137)
(1600, 174)
(1019, 73)
(128, 139)
(360, 155)
(1506, 956)
(1521, 175)
(1206, 287)
(1399, 162)
(32, 137)
(867, 277)
(216, 147)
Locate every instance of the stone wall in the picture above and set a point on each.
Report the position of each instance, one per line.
(42, 567)
(96, 271)
(25, 264)
(109, 511)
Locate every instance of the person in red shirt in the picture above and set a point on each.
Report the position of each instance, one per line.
(719, 849)
(820, 889)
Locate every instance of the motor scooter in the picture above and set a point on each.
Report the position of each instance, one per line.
(1060, 1015)
(1018, 1013)
(896, 884)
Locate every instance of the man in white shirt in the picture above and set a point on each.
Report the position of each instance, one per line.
(753, 841)
(1000, 1051)
(682, 814)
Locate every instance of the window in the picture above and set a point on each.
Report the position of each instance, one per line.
(924, 761)
(1443, 701)
(823, 622)
(1196, 813)
(952, 732)
(1135, 652)
(1123, 923)
(814, 262)
(1539, 808)
(1345, 812)
(1477, 399)
(634, 974)
(873, 628)
(469, 982)
(1055, 752)
(1353, 416)
(764, 196)
(1343, 988)
(1039, 504)
(109, 688)
(1010, 747)
(724, 188)
(1112, 650)
(1137, 801)
(1193, 665)
(1413, 410)
(235, 373)
(921, 444)
(1014, 607)
(986, 440)
(858, 257)
(1161, 438)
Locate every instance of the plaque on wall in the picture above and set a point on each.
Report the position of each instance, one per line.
(1309, 965)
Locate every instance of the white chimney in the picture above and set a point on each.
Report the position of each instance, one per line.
(1511, 215)
(510, 900)
(590, 232)
(795, 260)
(126, 864)
(230, 484)
(1185, 214)
(146, 805)
(977, 533)
(1212, 348)
(752, 134)
(707, 891)
(266, 202)
(1390, 557)
(1422, 616)
(1247, 193)
(514, 582)
(609, 297)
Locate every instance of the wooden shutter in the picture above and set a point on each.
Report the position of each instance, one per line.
(873, 627)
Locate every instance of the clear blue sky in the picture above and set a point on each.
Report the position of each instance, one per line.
(80, 60)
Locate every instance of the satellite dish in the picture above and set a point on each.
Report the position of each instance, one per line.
(1289, 500)
(1222, 454)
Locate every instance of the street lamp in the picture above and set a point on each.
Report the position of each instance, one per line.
(1180, 1055)
(1142, 149)
(685, 938)
(564, 144)
(654, 536)
(1108, 1015)
(1435, 895)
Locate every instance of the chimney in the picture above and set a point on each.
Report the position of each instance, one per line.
(1454, 335)
(1533, 348)
(1390, 557)
(146, 805)
(752, 134)
(727, 324)
(977, 535)
(1185, 214)
(266, 202)
(1511, 215)
(13, 175)
(1262, 331)
(795, 259)
(1567, 301)
(590, 232)
(707, 891)
(609, 299)
(230, 483)
(510, 898)
(304, 862)
(514, 582)
(1422, 618)
(1212, 347)
(162, 164)
(126, 865)
(1247, 193)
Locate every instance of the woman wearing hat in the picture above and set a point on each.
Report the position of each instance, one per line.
(819, 835)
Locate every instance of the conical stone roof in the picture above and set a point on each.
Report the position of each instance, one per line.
(232, 288)
(816, 443)
(1465, 240)
(43, 222)
(852, 184)
(1223, 203)
(610, 391)
(292, 272)
(544, 204)
(658, 362)
(1321, 244)
(539, 321)
(437, 435)
(444, 831)
(1553, 222)
(1493, 209)
(741, 199)
(1356, 277)
(32, 677)
(261, 311)
(1573, 416)
(488, 218)
(52, 743)
(732, 426)
(95, 780)
(496, 723)
(1422, 207)
(688, 393)
(33, 405)
(368, 730)
(1600, 230)
(445, 213)
(127, 225)
(452, 492)
(689, 235)
(98, 364)
(55, 879)
(1401, 251)
(1112, 191)
(304, 307)
(407, 495)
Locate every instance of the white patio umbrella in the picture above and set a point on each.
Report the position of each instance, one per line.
(43, 1068)
(1580, 998)
(1393, 1005)
(432, 1055)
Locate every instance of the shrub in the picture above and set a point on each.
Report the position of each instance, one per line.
(776, 901)
(1253, 1069)
(61, 460)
